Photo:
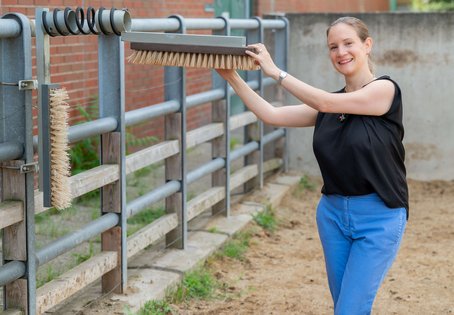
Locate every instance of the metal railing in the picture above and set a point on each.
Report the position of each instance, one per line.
(17, 146)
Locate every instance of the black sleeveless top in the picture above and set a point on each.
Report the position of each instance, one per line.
(360, 154)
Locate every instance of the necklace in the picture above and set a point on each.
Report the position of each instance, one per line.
(342, 116)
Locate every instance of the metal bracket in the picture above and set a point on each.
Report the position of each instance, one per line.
(23, 84)
(28, 168)
(28, 84)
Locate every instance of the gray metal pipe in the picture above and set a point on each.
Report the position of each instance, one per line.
(9, 28)
(204, 97)
(68, 242)
(91, 128)
(155, 195)
(11, 271)
(137, 116)
(270, 137)
(204, 24)
(244, 150)
(154, 25)
(206, 169)
(11, 151)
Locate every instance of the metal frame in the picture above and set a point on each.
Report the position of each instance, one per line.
(15, 38)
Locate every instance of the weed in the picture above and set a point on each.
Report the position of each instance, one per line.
(81, 257)
(197, 284)
(144, 218)
(156, 307)
(237, 246)
(50, 275)
(306, 184)
(266, 219)
(213, 229)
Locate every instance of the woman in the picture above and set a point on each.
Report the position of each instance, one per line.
(357, 141)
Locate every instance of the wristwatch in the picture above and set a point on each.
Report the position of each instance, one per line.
(282, 76)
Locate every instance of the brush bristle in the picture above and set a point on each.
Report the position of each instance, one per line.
(193, 60)
(59, 157)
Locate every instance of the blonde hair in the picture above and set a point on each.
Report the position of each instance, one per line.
(361, 30)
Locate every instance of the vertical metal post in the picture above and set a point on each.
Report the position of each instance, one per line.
(281, 46)
(175, 167)
(221, 145)
(113, 198)
(17, 126)
(256, 36)
(43, 75)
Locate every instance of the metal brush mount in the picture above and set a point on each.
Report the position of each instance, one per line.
(76, 22)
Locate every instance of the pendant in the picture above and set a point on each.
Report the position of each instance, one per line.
(342, 117)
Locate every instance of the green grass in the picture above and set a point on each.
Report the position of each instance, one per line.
(237, 246)
(81, 257)
(266, 219)
(155, 307)
(144, 218)
(50, 275)
(198, 284)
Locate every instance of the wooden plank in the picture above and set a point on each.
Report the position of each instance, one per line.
(11, 212)
(111, 155)
(204, 134)
(150, 155)
(71, 282)
(16, 294)
(243, 175)
(12, 312)
(218, 149)
(272, 164)
(14, 236)
(111, 242)
(204, 201)
(151, 233)
(242, 120)
(94, 178)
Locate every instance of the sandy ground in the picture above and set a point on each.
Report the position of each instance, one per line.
(283, 272)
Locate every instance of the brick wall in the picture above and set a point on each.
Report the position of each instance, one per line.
(74, 58)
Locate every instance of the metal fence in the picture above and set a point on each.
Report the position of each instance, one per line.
(19, 199)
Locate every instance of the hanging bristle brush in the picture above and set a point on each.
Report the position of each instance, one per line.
(190, 51)
(55, 168)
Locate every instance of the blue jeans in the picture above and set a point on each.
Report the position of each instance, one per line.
(360, 236)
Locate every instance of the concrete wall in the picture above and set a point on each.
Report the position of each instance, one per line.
(415, 49)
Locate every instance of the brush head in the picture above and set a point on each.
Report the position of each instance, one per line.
(191, 51)
(59, 158)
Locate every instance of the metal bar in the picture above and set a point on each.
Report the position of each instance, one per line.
(206, 169)
(172, 25)
(11, 271)
(112, 104)
(205, 97)
(16, 65)
(155, 195)
(274, 135)
(9, 28)
(244, 150)
(92, 128)
(68, 242)
(11, 151)
(140, 115)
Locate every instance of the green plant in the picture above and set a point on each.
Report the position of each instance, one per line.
(81, 257)
(237, 246)
(266, 219)
(197, 284)
(432, 5)
(50, 275)
(156, 307)
(305, 184)
(234, 142)
(143, 218)
(213, 229)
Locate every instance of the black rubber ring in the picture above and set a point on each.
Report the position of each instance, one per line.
(112, 24)
(56, 23)
(46, 26)
(80, 20)
(91, 20)
(65, 15)
(101, 27)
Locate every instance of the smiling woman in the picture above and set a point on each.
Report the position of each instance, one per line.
(358, 136)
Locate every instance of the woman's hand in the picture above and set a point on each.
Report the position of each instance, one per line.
(262, 57)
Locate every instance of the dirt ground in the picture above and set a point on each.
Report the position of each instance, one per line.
(283, 272)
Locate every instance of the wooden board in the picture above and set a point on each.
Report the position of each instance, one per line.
(242, 120)
(11, 212)
(204, 201)
(151, 233)
(71, 282)
(204, 134)
(150, 155)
